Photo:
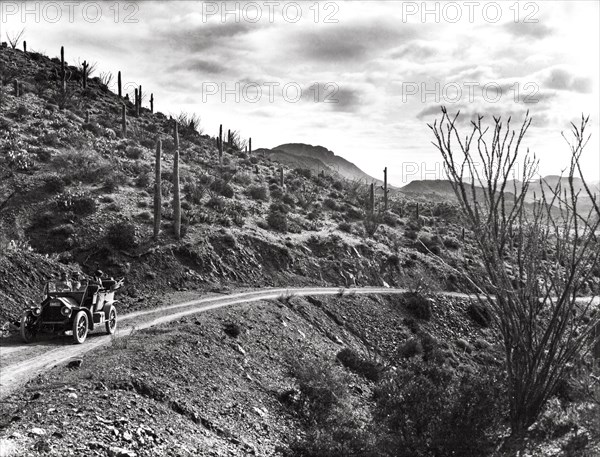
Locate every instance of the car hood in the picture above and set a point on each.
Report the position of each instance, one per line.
(66, 301)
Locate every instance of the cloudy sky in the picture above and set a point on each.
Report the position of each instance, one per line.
(360, 78)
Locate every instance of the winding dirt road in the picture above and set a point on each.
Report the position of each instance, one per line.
(20, 362)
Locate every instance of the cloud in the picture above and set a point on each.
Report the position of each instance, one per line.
(414, 51)
(340, 99)
(350, 41)
(535, 30)
(200, 66)
(561, 79)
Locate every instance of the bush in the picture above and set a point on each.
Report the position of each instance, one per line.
(54, 184)
(278, 221)
(418, 305)
(232, 329)
(93, 128)
(354, 362)
(428, 245)
(121, 235)
(345, 227)
(78, 203)
(451, 243)
(222, 188)
(430, 410)
(410, 348)
(258, 192)
(134, 152)
(480, 314)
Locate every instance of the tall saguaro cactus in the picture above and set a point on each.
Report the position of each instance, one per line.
(250, 146)
(63, 73)
(385, 190)
(152, 103)
(119, 85)
(221, 144)
(157, 189)
(139, 107)
(281, 180)
(25, 47)
(123, 121)
(85, 68)
(372, 198)
(176, 193)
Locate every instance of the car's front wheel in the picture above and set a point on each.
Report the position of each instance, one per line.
(80, 327)
(111, 323)
(28, 330)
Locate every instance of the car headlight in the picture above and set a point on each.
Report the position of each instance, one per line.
(65, 311)
(36, 311)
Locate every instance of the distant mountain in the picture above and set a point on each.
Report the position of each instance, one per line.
(316, 159)
(442, 189)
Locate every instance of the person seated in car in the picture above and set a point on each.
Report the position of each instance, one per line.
(76, 282)
(64, 285)
(97, 279)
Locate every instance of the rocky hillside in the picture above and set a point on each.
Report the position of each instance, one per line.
(76, 196)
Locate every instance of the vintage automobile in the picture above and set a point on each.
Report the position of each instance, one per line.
(74, 308)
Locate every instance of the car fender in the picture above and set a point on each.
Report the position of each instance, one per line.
(107, 307)
(89, 316)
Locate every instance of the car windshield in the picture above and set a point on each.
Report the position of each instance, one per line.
(65, 286)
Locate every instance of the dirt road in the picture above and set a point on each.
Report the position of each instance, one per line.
(20, 362)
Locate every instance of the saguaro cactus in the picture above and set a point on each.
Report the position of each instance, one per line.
(385, 190)
(250, 146)
(123, 121)
(281, 181)
(85, 68)
(417, 210)
(139, 107)
(25, 47)
(135, 102)
(152, 103)
(221, 144)
(63, 73)
(372, 198)
(176, 195)
(119, 84)
(16, 87)
(157, 189)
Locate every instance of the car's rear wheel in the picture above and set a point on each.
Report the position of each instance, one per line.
(111, 323)
(28, 330)
(80, 327)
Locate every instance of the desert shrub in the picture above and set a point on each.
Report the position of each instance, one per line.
(432, 411)
(145, 216)
(451, 243)
(278, 221)
(113, 181)
(232, 329)
(77, 202)
(410, 348)
(134, 152)
(243, 179)
(480, 314)
(237, 213)
(93, 128)
(194, 192)
(389, 219)
(345, 227)
(371, 223)
(330, 204)
(121, 235)
(258, 192)
(303, 172)
(427, 245)
(288, 200)
(143, 180)
(54, 184)
(216, 203)
(85, 165)
(354, 362)
(417, 304)
(221, 187)
(321, 387)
